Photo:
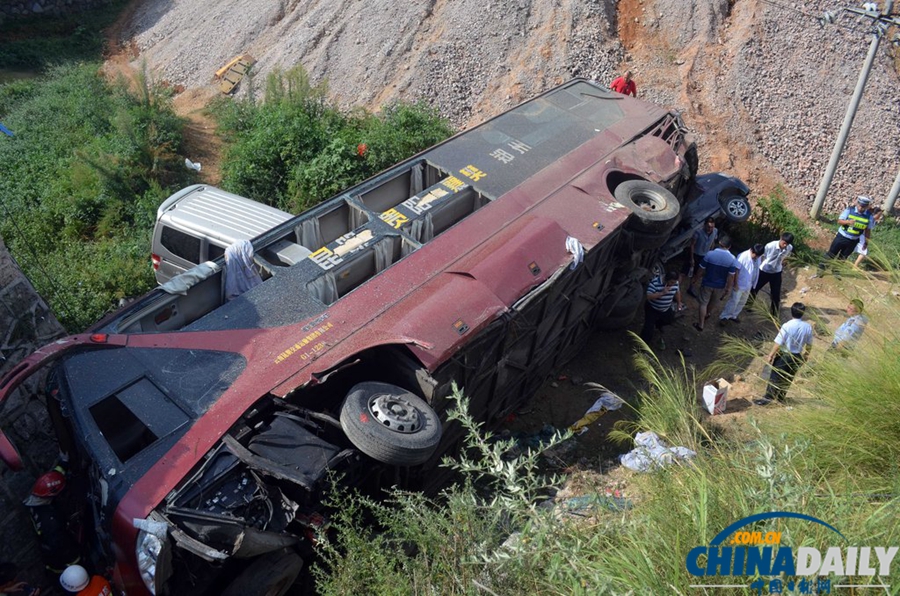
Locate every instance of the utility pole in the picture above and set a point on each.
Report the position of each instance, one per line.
(882, 21)
(892, 196)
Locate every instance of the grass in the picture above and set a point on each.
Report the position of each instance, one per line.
(833, 456)
(36, 43)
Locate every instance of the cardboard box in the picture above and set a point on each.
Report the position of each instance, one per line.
(715, 396)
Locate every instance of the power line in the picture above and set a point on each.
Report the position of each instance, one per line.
(856, 27)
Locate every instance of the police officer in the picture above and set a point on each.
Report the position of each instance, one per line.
(855, 222)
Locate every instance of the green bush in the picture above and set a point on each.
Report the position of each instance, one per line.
(770, 218)
(87, 168)
(293, 149)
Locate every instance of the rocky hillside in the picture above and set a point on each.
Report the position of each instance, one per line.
(764, 85)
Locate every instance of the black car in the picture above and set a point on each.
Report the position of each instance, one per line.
(713, 195)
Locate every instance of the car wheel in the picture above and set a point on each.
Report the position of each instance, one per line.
(641, 241)
(655, 209)
(390, 424)
(271, 574)
(736, 208)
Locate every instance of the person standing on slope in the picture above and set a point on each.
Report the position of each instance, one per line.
(624, 85)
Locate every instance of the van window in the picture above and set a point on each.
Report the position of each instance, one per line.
(214, 252)
(181, 244)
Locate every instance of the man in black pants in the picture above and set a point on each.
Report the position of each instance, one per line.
(659, 309)
(771, 267)
(855, 222)
(789, 352)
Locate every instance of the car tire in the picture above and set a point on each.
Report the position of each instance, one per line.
(390, 424)
(736, 208)
(641, 241)
(655, 209)
(271, 574)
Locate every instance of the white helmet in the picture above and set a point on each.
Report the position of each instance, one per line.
(74, 579)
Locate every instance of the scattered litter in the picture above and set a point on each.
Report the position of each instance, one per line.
(554, 384)
(192, 165)
(577, 380)
(652, 452)
(804, 290)
(715, 396)
(6, 131)
(607, 402)
(562, 378)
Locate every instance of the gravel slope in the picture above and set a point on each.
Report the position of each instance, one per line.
(763, 85)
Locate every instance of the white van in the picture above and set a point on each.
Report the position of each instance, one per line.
(197, 223)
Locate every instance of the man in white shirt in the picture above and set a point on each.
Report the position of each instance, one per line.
(790, 351)
(746, 280)
(771, 267)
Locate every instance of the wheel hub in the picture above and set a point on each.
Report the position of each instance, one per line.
(395, 413)
(736, 208)
(648, 202)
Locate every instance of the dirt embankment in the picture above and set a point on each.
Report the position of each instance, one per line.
(762, 84)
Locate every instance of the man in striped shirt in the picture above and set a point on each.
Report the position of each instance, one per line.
(659, 310)
(789, 352)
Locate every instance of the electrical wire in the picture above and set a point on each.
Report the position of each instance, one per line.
(855, 27)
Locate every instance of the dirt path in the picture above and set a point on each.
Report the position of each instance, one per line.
(201, 144)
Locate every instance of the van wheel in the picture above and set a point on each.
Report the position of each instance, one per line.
(655, 209)
(271, 574)
(390, 424)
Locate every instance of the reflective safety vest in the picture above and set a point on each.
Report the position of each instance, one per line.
(859, 225)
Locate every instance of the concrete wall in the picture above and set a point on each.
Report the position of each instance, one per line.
(26, 323)
(11, 9)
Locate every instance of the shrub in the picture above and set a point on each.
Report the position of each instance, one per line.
(770, 218)
(293, 149)
(89, 164)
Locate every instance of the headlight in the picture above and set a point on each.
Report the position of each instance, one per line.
(147, 549)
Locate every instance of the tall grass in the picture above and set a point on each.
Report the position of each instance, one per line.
(831, 457)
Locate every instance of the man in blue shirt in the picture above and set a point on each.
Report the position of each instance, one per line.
(851, 329)
(855, 222)
(718, 269)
